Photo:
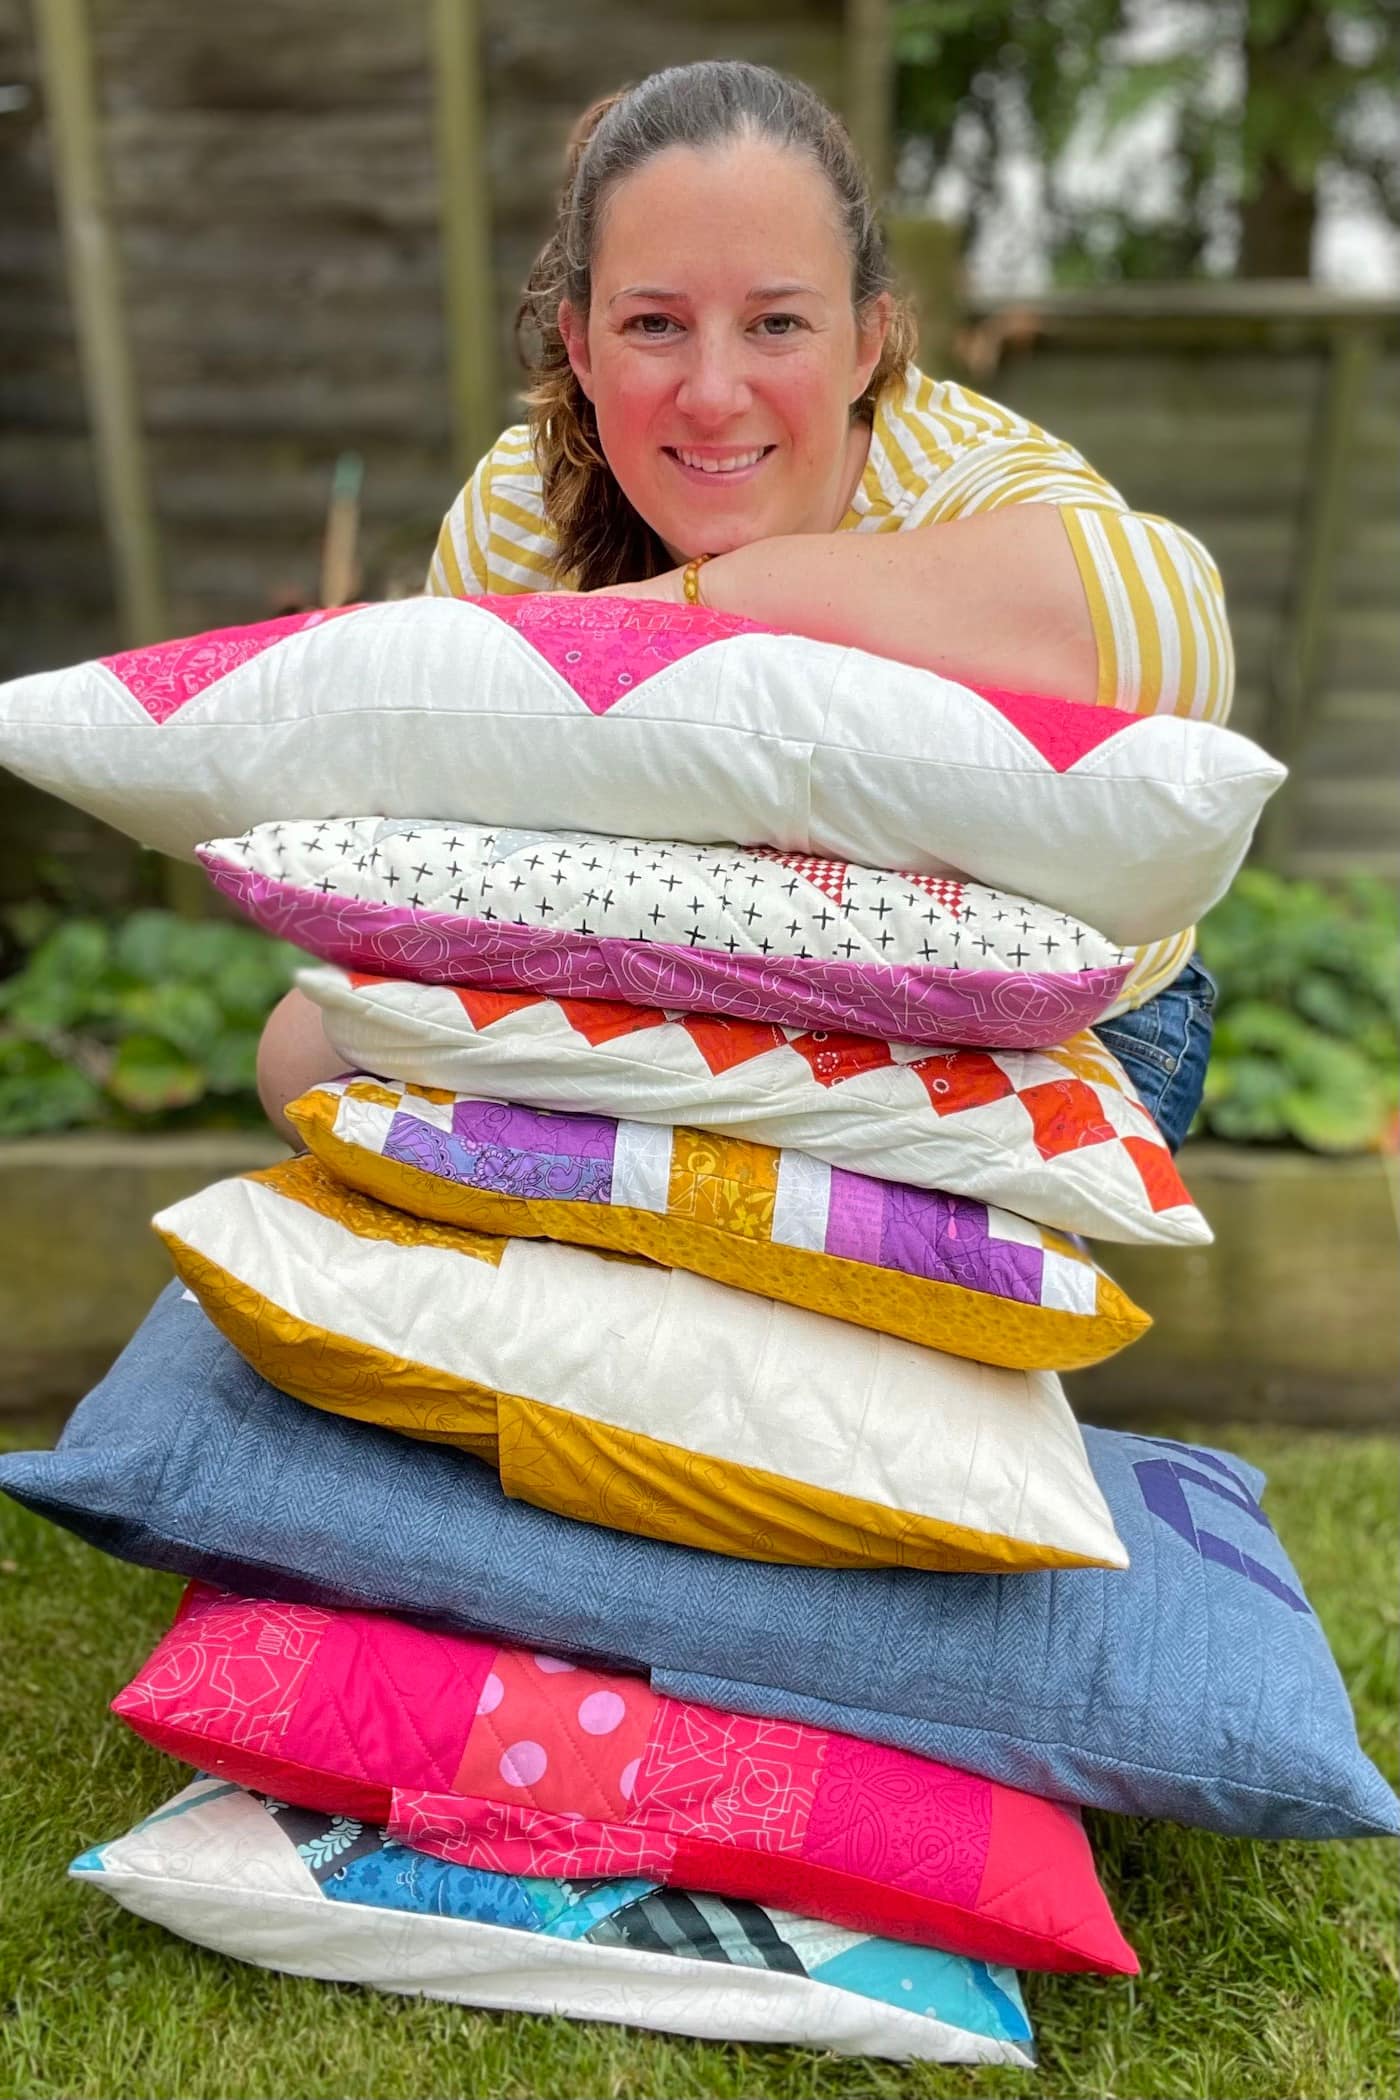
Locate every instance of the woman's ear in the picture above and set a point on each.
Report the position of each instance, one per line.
(872, 326)
(575, 334)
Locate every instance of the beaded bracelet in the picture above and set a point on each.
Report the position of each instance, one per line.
(690, 580)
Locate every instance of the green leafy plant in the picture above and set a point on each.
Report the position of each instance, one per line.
(1307, 1038)
(152, 1022)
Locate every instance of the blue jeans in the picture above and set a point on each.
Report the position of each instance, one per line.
(1164, 1048)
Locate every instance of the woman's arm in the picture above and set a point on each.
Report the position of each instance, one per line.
(1084, 602)
(995, 599)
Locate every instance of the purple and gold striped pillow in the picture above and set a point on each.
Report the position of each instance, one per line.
(945, 1271)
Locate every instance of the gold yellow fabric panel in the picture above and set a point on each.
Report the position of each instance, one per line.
(305, 1180)
(722, 1192)
(590, 1470)
(336, 1372)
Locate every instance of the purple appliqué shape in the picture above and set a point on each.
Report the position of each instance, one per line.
(1162, 1484)
(894, 1002)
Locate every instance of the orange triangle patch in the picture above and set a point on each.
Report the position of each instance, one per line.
(1165, 1188)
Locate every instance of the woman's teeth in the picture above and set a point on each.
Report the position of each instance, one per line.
(731, 463)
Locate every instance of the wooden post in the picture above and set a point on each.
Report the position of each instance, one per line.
(870, 95)
(468, 282)
(94, 284)
(1296, 661)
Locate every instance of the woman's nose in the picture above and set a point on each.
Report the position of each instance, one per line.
(714, 386)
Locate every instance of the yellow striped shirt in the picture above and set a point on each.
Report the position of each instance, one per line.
(939, 452)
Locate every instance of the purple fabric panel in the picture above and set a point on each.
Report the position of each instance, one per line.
(855, 1218)
(976, 1009)
(946, 1238)
(570, 1135)
(560, 1174)
(923, 1233)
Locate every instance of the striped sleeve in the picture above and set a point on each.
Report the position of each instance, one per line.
(1158, 610)
(1154, 594)
(496, 537)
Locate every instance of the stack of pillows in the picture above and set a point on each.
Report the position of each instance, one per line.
(666, 1311)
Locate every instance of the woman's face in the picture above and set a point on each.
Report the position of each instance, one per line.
(721, 351)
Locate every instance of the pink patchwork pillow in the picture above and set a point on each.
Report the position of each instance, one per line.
(1055, 1135)
(527, 1764)
(643, 720)
(714, 929)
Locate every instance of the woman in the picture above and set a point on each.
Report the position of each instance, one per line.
(721, 375)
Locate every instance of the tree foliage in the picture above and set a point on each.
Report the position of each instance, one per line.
(1258, 102)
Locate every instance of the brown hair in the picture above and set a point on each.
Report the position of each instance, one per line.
(601, 538)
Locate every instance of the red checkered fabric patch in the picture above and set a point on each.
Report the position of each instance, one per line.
(1164, 1186)
(943, 889)
(482, 1008)
(828, 876)
(1066, 1115)
(599, 1020)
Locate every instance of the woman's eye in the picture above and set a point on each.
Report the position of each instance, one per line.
(653, 327)
(779, 325)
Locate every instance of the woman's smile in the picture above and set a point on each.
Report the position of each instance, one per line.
(727, 469)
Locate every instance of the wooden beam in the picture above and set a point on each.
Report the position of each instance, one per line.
(94, 285)
(468, 281)
(870, 93)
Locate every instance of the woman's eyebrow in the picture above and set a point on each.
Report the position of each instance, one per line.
(758, 292)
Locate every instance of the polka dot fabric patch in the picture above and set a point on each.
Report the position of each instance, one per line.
(561, 1770)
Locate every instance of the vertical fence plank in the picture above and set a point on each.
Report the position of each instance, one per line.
(1295, 669)
(468, 287)
(94, 282)
(870, 89)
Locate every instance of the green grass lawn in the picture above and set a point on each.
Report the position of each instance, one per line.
(1269, 1970)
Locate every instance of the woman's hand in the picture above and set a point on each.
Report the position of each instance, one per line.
(668, 587)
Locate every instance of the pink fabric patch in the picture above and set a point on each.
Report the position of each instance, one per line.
(1062, 731)
(552, 1737)
(383, 1702)
(499, 1838)
(606, 647)
(230, 1669)
(718, 1775)
(902, 1821)
(163, 678)
(507, 1761)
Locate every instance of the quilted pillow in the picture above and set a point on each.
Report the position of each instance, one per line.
(1197, 1685)
(1057, 1135)
(770, 936)
(944, 1271)
(329, 1896)
(641, 1397)
(645, 720)
(521, 1763)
